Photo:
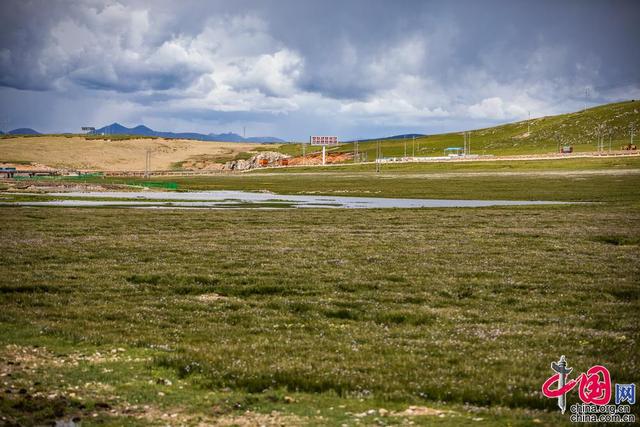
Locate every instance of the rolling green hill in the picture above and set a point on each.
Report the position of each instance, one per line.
(579, 129)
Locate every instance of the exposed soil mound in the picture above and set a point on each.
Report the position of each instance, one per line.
(267, 158)
(316, 159)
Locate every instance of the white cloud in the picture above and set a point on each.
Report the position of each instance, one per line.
(231, 63)
(414, 67)
(496, 109)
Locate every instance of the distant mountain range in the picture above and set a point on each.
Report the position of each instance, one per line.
(406, 135)
(21, 131)
(142, 130)
(118, 129)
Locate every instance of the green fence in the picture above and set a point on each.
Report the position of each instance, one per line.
(148, 184)
(90, 178)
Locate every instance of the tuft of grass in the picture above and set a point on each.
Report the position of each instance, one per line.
(30, 289)
(617, 240)
(342, 313)
(405, 317)
(182, 285)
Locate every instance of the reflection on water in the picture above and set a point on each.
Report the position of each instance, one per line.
(245, 199)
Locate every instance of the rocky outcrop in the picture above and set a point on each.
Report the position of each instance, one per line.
(271, 157)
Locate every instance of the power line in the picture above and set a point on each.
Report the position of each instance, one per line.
(147, 163)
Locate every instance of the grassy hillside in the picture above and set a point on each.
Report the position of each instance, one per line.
(579, 129)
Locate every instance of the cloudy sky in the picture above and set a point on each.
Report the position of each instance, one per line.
(291, 68)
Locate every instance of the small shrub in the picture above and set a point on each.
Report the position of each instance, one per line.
(342, 313)
(399, 317)
(617, 240)
(181, 285)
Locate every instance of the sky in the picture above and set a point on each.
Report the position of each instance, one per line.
(294, 68)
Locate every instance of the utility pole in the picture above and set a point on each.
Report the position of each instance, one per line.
(355, 151)
(610, 132)
(469, 142)
(586, 97)
(378, 155)
(147, 163)
(405, 146)
(244, 131)
(601, 133)
(413, 147)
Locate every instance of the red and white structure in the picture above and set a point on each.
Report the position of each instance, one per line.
(324, 141)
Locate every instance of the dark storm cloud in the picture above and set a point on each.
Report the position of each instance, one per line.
(352, 66)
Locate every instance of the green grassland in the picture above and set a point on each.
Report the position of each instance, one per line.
(567, 164)
(328, 317)
(583, 180)
(579, 129)
(325, 317)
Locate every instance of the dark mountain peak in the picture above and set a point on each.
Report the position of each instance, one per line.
(113, 128)
(23, 131)
(229, 136)
(116, 125)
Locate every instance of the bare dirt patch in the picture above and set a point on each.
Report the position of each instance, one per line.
(29, 398)
(418, 411)
(78, 152)
(212, 297)
(180, 417)
(316, 159)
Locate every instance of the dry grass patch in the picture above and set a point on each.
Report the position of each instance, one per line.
(118, 155)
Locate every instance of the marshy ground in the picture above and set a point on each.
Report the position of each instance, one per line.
(320, 317)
